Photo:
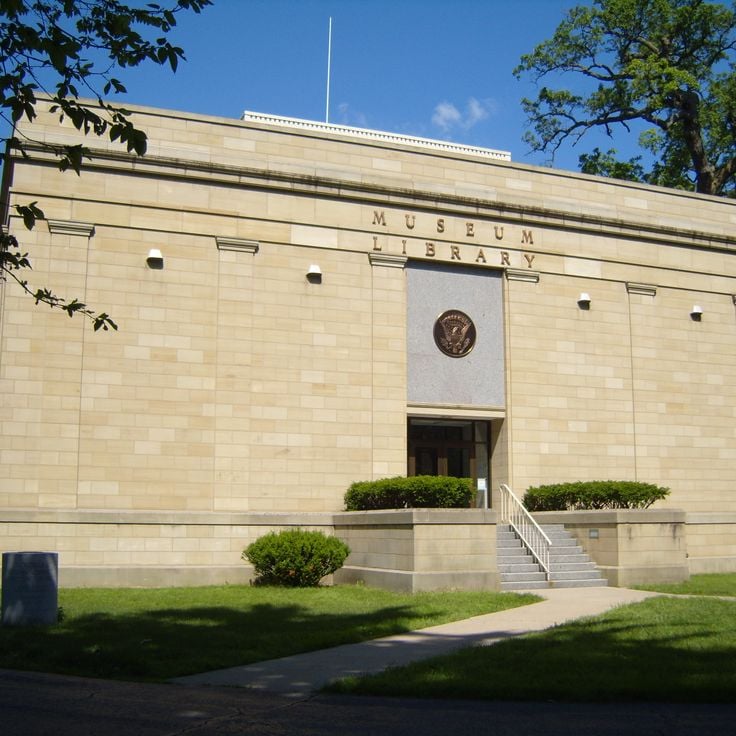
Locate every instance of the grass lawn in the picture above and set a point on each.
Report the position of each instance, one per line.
(711, 584)
(157, 634)
(663, 649)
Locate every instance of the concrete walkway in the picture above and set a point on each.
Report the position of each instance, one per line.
(302, 674)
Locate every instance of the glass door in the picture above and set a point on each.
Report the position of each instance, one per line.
(447, 447)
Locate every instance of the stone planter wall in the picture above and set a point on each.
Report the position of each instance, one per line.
(631, 547)
(420, 549)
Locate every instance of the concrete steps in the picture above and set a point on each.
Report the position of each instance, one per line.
(569, 566)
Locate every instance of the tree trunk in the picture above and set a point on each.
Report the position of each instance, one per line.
(705, 181)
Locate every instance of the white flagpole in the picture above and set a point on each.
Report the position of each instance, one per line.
(329, 60)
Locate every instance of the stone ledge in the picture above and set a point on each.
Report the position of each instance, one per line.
(612, 516)
(416, 409)
(715, 517)
(195, 518)
(413, 517)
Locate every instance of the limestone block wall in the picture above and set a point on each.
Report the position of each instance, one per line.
(711, 541)
(235, 385)
(630, 547)
(631, 388)
(571, 413)
(40, 376)
(386, 322)
(147, 549)
(684, 393)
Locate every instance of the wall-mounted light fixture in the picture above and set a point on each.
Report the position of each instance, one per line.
(584, 300)
(154, 259)
(314, 274)
(696, 313)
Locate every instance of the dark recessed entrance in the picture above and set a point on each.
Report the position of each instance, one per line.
(448, 447)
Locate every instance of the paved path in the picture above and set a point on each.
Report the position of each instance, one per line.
(303, 674)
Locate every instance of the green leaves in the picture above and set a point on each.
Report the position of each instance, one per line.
(295, 558)
(114, 85)
(594, 494)
(669, 63)
(118, 126)
(135, 140)
(83, 42)
(418, 491)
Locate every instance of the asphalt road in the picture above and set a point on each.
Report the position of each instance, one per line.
(38, 705)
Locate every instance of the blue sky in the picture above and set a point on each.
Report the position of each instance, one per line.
(432, 68)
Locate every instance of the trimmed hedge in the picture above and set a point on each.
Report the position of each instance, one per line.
(295, 558)
(419, 491)
(595, 494)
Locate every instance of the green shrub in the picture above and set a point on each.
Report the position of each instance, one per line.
(419, 491)
(594, 494)
(295, 558)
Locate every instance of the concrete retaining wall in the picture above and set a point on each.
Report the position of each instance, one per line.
(147, 548)
(631, 547)
(420, 549)
(404, 549)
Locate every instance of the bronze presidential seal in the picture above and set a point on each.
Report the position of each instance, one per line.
(454, 333)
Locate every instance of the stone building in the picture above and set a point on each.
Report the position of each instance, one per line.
(304, 305)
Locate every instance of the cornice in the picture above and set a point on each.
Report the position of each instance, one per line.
(371, 194)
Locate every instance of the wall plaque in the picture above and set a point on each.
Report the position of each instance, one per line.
(454, 333)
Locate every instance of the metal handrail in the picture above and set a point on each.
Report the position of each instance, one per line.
(514, 513)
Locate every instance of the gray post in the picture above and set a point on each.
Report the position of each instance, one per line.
(30, 588)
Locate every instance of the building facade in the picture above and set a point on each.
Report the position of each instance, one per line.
(301, 306)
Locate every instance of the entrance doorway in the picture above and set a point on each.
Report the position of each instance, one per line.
(454, 447)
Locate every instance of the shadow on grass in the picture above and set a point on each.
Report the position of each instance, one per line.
(658, 650)
(163, 643)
